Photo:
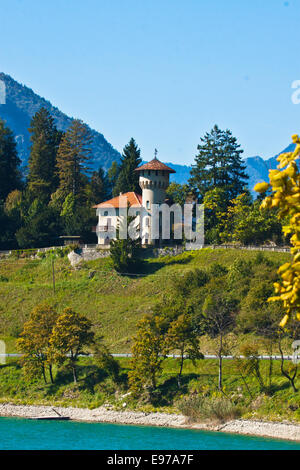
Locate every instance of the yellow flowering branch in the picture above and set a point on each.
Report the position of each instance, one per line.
(285, 187)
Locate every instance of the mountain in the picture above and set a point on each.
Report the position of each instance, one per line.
(256, 167)
(22, 103)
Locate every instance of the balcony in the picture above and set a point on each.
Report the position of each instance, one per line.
(103, 228)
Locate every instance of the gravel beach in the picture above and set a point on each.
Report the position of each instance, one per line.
(274, 430)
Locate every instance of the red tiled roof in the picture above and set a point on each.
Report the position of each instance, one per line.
(155, 164)
(134, 200)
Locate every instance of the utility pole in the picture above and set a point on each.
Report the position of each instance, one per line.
(53, 275)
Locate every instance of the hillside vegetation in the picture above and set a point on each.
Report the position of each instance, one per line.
(113, 302)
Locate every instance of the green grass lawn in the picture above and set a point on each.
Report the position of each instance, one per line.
(113, 302)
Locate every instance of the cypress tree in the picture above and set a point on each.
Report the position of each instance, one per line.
(10, 176)
(45, 138)
(219, 164)
(128, 179)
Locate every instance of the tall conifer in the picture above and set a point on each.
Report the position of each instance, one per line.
(73, 158)
(219, 164)
(45, 138)
(128, 179)
(10, 177)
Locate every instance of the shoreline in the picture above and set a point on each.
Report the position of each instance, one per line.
(267, 429)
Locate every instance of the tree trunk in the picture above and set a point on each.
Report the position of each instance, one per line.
(44, 375)
(271, 367)
(50, 373)
(153, 380)
(220, 362)
(284, 373)
(74, 374)
(181, 367)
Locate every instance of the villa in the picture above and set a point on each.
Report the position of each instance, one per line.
(153, 180)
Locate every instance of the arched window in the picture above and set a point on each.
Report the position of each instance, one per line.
(148, 204)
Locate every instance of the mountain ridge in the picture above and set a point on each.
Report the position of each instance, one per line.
(22, 103)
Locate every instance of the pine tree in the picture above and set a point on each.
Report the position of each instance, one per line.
(124, 253)
(10, 177)
(99, 186)
(112, 175)
(45, 138)
(73, 158)
(128, 179)
(219, 164)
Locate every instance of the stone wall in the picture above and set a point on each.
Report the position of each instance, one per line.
(87, 254)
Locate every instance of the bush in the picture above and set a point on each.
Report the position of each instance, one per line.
(219, 408)
(105, 361)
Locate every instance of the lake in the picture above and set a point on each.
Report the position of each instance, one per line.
(25, 434)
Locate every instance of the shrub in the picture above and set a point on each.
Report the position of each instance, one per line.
(218, 408)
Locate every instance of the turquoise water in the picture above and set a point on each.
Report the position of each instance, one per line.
(23, 434)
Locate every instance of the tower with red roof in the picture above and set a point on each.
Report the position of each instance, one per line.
(154, 180)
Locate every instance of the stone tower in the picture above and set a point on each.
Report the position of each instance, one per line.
(154, 180)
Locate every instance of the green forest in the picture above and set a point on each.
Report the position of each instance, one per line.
(54, 195)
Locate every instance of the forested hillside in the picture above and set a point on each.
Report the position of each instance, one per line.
(21, 105)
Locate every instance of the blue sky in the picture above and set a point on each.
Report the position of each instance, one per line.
(162, 71)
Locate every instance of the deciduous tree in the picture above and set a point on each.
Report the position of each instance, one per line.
(71, 334)
(34, 341)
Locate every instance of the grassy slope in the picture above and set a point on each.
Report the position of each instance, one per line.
(115, 302)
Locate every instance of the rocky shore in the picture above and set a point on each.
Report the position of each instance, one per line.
(274, 430)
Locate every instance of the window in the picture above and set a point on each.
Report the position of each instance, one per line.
(105, 213)
(156, 172)
(148, 204)
(147, 222)
(149, 172)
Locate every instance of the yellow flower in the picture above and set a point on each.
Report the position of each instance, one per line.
(284, 321)
(261, 187)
